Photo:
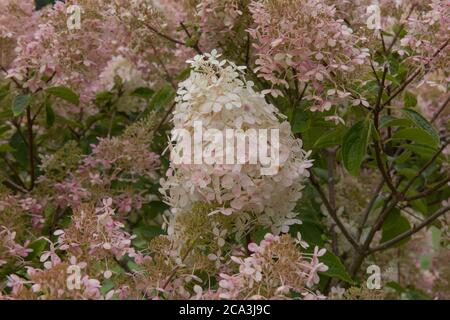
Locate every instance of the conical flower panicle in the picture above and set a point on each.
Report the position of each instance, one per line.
(217, 96)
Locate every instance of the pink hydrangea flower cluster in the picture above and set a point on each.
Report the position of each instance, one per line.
(109, 34)
(273, 269)
(50, 283)
(97, 228)
(9, 248)
(305, 41)
(17, 19)
(219, 20)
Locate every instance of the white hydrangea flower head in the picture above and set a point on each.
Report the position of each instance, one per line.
(126, 70)
(131, 78)
(217, 94)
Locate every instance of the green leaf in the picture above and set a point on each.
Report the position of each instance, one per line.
(49, 114)
(6, 114)
(38, 246)
(300, 122)
(20, 152)
(4, 129)
(19, 103)
(310, 232)
(403, 157)
(69, 122)
(415, 135)
(147, 232)
(409, 100)
(152, 209)
(422, 123)
(259, 234)
(4, 91)
(6, 148)
(162, 97)
(354, 146)
(335, 267)
(330, 138)
(420, 205)
(396, 286)
(389, 121)
(407, 172)
(107, 286)
(143, 92)
(417, 294)
(103, 97)
(424, 151)
(64, 93)
(394, 225)
(183, 74)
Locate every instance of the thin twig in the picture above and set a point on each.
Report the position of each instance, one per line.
(162, 35)
(410, 213)
(163, 120)
(378, 143)
(332, 213)
(440, 110)
(429, 191)
(424, 167)
(415, 74)
(14, 171)
(415, 229)
(369, 208)
(247, 50)
(195, 46)
(30, 148)
(13, 185)
(174, 271)
(12, 78)
(400, 29)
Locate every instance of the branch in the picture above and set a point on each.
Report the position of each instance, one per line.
(369, 208)
(174, 271)
(123, 265)
(163, 120)
(195, 46)
(415, 74)
(400, 29)
(389, 204)
(440, 110)
(30, 147)
(378, 144)
(331, 191)
(19, 131)
(13, 169)
(374, 72)
(13, 185)
(425, 166)
(406, 210)
(394, 198)
(415, 229)
(162, 35)
(429, 191)
(247, 50)
(12, 78)
(383, 43)
(332, 213)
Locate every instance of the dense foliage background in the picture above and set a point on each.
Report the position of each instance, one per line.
(91, 207)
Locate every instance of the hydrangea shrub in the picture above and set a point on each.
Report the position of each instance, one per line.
(94, 203)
